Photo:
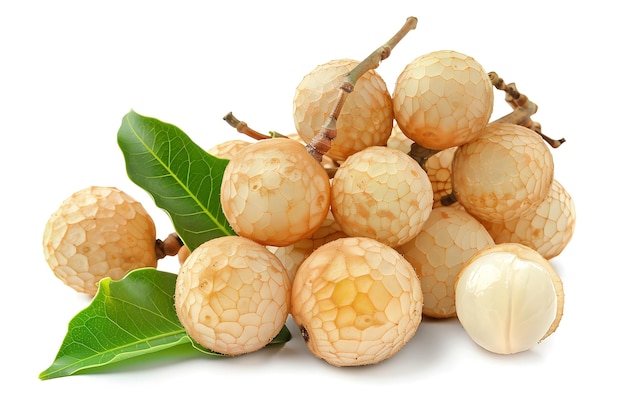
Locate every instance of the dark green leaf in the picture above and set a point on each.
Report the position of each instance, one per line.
(282, 337)
(183, 179)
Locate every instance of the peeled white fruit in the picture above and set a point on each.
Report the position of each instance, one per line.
(508, 298)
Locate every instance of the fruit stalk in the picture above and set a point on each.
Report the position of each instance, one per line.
(322, 141)
(242, 127)
(522, 107)
(168, 247)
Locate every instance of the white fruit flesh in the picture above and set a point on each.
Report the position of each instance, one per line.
(506, 298)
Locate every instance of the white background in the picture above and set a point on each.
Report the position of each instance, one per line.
(69, 72)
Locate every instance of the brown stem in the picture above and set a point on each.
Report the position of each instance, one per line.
(421, 154)
(242, 127)
(523, 109)
(448, 199)
(168, 247)
(321, 142)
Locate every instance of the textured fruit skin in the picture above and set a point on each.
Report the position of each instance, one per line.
(449, 238)
(505, 172)
(232, 295)
(366, 118)
(274, 192)
(356, 301)
(98, 232)
(439, 170)
(548, 229)
(443, 99)
(293, 255)
(228, 149)
(508, 298)
(438, 166)
(381, 193)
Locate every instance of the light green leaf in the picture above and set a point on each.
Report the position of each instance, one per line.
(126, 318)
(183, 179)
(132, 317)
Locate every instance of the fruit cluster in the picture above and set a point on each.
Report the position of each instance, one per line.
(381, 208)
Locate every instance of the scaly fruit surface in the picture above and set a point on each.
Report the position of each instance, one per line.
(366, 117)
(443, 99)
(228, 149)
(448, 239)
(274, 192)
(293, 255)
(504, 173)
(98, 232)
(438, 166)
(232, 295)
(356, 301)
(381, 193)
(548, 229)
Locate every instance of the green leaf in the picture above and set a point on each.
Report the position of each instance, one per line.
(282, 337)
(183, 179)
(126, 318)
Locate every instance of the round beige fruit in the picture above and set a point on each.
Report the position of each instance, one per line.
(356, 301)
(504, 173)
(274, 192)
(366, 118)
(232, 295)
(448, 239)
(443, 99)
(381, 193)
(548, 229)
(98, 232)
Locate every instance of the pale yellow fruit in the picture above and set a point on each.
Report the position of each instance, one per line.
(381, 193)
(448, 239)
(274, 192)
(443, 99)
(506, 172)
(98, 232)
(356, 301)
(509, 298)
(232, 295)
(366, 117)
